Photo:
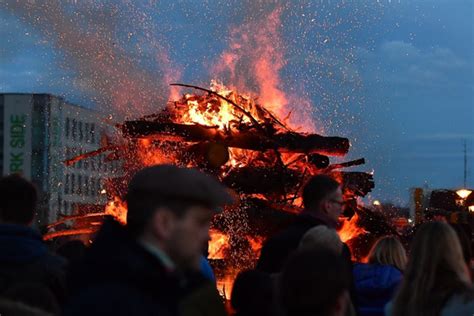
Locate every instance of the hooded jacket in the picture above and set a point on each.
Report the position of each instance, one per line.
(375, 286)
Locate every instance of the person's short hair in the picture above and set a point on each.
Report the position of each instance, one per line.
(317, 189)
(388, 250)
(321, 237)
(312, 282)
(18, 198)
(253, 293)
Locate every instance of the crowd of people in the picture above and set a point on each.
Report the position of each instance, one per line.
(155, 264)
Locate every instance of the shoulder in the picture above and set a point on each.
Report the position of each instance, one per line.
(388, 308)
(462, 304)
(107, 299)
(54, 261)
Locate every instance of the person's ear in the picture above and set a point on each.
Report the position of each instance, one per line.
(163, 223)
(324, 206)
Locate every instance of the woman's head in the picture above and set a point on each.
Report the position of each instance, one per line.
(437, 249)
(388, 250)
(435, 271)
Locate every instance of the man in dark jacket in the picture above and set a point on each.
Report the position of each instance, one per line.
(24, 258)
(151, 266)
(323, 201)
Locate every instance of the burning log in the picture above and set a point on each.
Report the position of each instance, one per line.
(347, 164)
(284, 142)
(359, 183)
(208, 155)
(319, 161)
(251, 180)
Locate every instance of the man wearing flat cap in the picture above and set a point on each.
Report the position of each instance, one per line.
(149, 267)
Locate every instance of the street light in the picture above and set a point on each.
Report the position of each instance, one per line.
(376, 203)
(463, 193)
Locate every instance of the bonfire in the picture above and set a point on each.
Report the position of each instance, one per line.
(247, 147)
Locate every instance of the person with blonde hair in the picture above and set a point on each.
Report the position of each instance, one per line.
(437, 280)
(321, 237)
(388, 250)
(377, 281)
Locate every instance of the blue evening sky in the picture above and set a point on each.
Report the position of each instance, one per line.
(396, 77)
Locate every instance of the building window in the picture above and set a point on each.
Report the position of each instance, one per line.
(81, 132)
(92, 133)
(73, 183)
(87, 132)
(88, 186)
(68, 123)
(74, 129)
(79, 184)
(66, 185)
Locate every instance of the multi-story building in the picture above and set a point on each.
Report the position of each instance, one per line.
(39, 132)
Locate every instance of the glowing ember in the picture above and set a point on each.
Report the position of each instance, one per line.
(350, 229)
(256, 242)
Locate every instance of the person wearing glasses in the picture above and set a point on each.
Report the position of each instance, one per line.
(323, 204)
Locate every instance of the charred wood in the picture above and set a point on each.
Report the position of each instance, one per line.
(253, 140)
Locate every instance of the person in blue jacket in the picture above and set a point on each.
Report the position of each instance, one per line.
(377, 280)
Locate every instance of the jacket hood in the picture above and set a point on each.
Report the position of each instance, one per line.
(368, 277)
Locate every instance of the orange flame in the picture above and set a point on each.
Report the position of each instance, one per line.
(226, 283)
(118, 209)
(253, 63)
(350, 229)
(149, 154)
(218, 244)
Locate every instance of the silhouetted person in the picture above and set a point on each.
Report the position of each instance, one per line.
(464, 234)
(24, 258)
(377, 280)
(253, 294)
(34, 295)
(151, 266)
(72, 250)
(436, 279)
(15, 308)
(323, 201)
(321, 237)
(323, 204)
(314, 283)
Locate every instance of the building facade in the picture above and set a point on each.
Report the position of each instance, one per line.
(39, 133)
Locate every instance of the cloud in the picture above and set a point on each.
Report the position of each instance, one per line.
(435, 156)
(399, 62)
(444, 136)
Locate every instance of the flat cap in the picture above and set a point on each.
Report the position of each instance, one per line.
(187, 184)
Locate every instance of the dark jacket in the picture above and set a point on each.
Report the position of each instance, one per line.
(375, 286)
(276, 250)
(24, 258)
(119, 277)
